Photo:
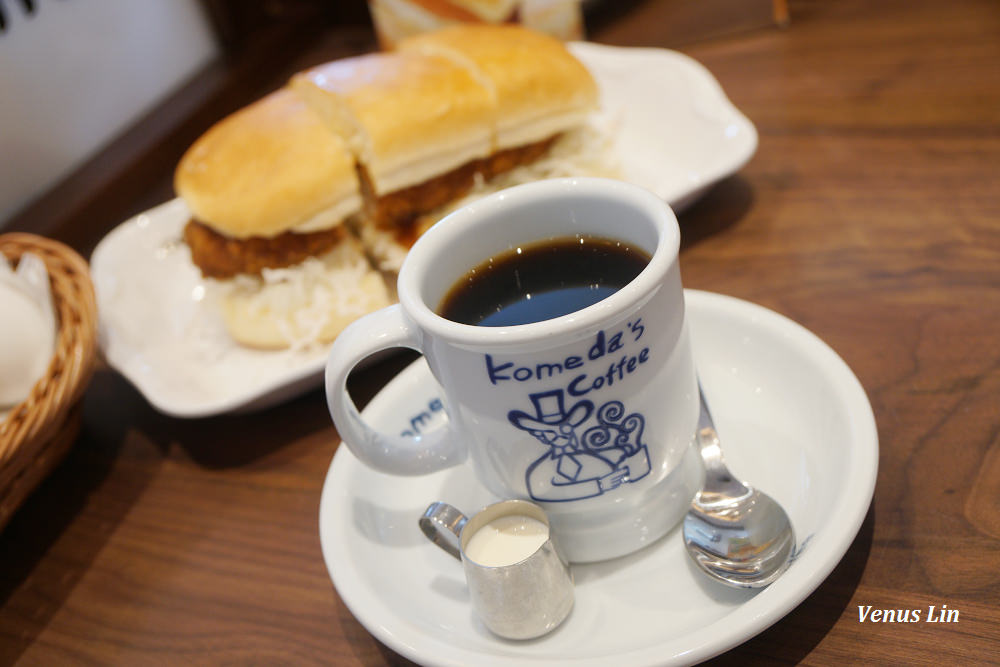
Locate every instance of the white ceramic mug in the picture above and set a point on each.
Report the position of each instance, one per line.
(591, 414)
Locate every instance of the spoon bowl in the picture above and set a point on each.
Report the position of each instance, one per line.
(733, 532)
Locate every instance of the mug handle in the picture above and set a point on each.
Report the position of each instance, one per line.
(385, 452)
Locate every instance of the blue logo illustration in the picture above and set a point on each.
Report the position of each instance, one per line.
(584, 459)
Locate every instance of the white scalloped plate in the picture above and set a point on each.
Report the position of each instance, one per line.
(794, 421)
(677, 135)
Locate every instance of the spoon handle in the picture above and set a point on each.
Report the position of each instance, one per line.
(719, 482)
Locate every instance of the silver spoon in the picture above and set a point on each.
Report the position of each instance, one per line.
(735, 533)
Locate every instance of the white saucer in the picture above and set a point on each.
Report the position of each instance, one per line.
(677, 135)
(794, 420)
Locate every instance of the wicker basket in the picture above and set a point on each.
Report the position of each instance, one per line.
(38, 432)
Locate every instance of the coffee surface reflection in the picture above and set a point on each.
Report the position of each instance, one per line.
(542, 280)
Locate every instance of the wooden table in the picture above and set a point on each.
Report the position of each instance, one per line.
(870, 214)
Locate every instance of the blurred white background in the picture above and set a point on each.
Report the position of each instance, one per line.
(75, 73)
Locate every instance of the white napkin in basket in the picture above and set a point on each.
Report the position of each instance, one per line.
(27, 328)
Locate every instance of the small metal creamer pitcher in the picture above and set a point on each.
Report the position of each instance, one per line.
(517, 594)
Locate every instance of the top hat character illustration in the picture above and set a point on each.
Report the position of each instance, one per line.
(551, 417)
(571, 470)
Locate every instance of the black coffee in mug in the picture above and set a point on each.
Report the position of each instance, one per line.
(542, 280)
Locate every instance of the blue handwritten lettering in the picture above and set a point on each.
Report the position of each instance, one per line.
(574, 386)
(548, 370)
(603, 345)
(637, 328)
(494, 371)
(596, 350)
(617, 370)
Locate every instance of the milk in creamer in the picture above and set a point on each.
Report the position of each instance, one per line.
(506, 540)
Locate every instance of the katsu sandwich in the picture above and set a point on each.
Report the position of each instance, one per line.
(452, 114)
(270, 189)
